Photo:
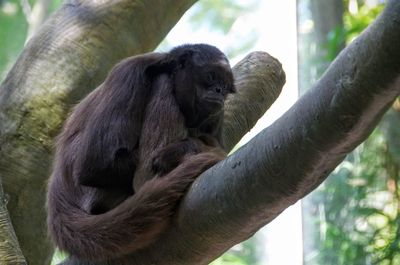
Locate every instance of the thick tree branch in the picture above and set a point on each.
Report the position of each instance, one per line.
(259, 79)
(235, 198)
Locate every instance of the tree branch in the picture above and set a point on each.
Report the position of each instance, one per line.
(259, 79)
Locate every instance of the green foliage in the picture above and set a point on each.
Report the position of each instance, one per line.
(54, 5)
(356, 23)
(12, 34)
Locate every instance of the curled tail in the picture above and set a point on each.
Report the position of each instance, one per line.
(133, 224)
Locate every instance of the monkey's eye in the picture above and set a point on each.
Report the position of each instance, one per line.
(211, 77)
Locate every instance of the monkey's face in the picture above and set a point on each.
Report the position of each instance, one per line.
(212, 84)
(201, 89)
(201, 80)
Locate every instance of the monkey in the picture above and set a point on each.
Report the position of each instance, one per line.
(132, 147)
(212, 79)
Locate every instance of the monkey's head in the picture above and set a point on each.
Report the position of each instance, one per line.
(202, 81)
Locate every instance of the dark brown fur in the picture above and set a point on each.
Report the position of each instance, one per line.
(132, 131)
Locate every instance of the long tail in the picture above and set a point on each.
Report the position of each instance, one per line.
(132, 225)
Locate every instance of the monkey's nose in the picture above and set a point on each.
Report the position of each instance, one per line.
(218, 90)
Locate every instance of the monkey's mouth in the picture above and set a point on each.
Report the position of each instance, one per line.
(214, 101)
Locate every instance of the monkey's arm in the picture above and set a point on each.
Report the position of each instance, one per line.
(172, 155)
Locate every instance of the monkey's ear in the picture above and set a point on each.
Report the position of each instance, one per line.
(166, 65)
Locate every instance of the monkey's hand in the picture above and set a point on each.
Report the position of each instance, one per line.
(167, 159)
(172, 155)
(209, 141)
